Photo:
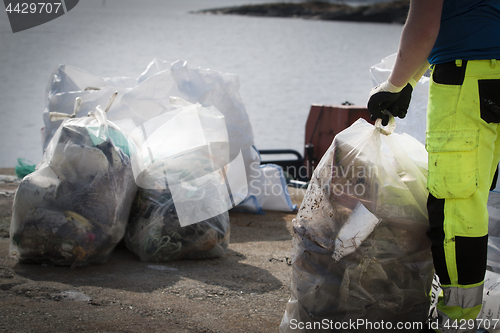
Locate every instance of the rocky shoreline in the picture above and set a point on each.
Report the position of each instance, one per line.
(388, 12)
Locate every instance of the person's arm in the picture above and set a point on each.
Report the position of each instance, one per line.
(421, 71)
(417, 40)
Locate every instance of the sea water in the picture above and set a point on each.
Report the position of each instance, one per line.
(284, 64)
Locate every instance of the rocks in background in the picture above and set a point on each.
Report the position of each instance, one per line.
(387, 12)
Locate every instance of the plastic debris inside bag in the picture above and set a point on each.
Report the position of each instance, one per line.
(186, 151)
(360, 253)
(155, 234)
(74, 208)
(186, 185)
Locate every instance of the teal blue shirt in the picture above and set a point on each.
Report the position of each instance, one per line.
(470, 30)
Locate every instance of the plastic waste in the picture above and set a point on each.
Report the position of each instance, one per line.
(489, 317)
(360, 254)
(141, 101)
(74, 208)
(181, 160)
(353, 233)
(494, 233)
(267, 190)
(162, 80)
(24, 167)
(155, 234)
(186, 151)
(68, 83)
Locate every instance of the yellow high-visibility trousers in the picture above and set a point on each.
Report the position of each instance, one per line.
(463, 144)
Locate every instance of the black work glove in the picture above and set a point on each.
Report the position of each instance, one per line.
(391, 98)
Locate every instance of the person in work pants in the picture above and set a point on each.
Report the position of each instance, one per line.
(461, 39)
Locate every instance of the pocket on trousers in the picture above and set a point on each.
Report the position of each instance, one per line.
(443, 100)
(453, 163)
(489, 98)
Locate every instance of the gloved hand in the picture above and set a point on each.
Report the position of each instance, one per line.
(391, 98)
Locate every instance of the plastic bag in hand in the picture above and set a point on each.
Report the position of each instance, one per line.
(360, 254)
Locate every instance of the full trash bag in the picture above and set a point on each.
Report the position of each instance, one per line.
(361, 260)
(186, 185)
(74, 208)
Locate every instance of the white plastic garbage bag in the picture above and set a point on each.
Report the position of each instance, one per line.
(489, 317)
(67, 83)
(186, 151)
(74, 208)
(267, 190)
(360, 254)
(162, 80)
(187, 184)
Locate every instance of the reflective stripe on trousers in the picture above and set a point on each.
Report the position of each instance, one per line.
(457, 307)
(464, 149)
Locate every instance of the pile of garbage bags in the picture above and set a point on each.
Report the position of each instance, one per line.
(360, 254)
(148, 97)
(73, 210)
(175, 137)
(82, 200)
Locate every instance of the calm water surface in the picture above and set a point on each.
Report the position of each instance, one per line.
(284, 65)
